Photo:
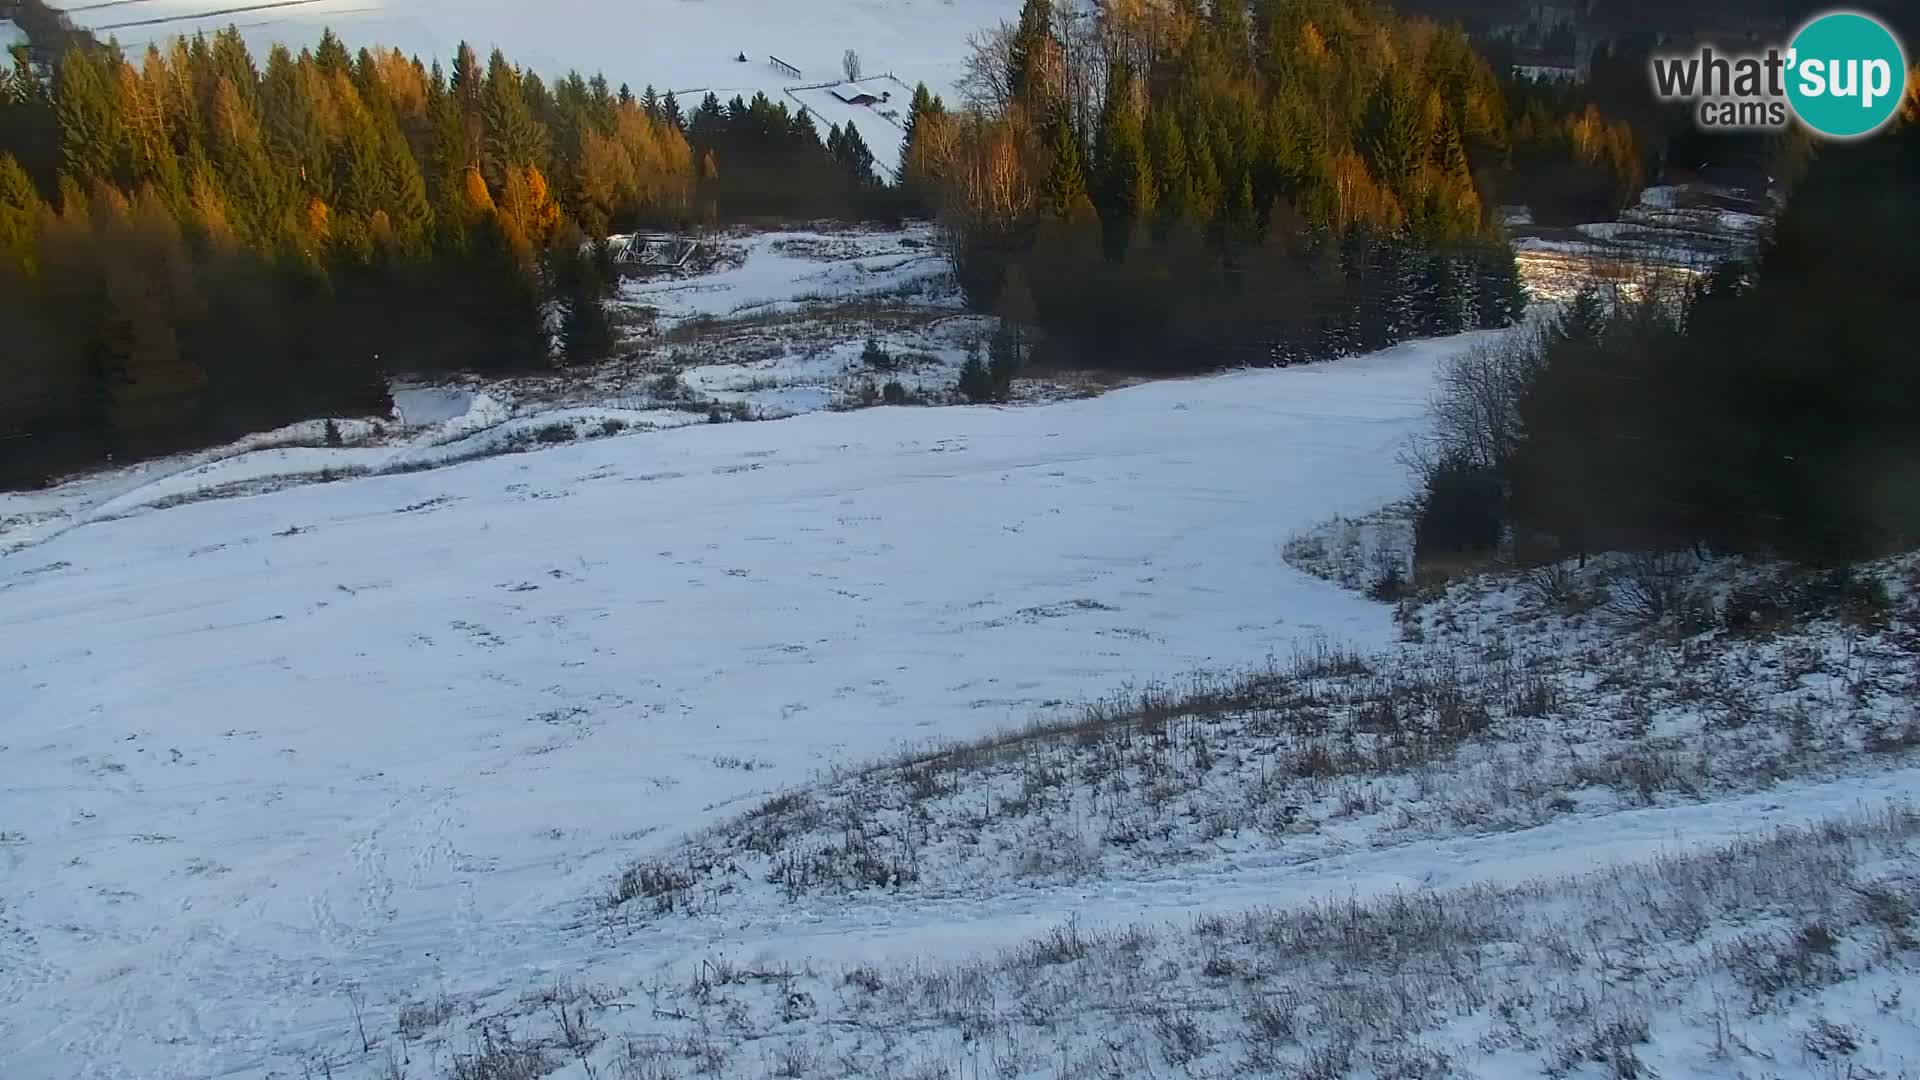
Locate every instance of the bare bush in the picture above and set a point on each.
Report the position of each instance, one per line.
(1649, 588)
(496, 1056)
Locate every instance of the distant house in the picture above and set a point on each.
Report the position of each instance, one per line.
(852, 94)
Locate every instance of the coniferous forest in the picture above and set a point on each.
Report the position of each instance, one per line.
(1185, 186)
(1765, 409)
(195, 245)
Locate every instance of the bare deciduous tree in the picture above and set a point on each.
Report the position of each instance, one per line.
(986, 84)
(850, 63)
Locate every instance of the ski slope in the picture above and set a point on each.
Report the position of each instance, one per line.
(395, 731)
(687, 46)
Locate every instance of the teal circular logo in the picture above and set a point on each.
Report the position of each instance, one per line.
(1846, 75)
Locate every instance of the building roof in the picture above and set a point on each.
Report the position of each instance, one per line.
(852, 94)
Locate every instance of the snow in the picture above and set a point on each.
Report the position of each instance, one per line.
(687, 46)
(768, 272)
(772, 329)
(426, 405)
(299, 453)
(387, 740)
(391, 730)
(1671, 231)
(11, 35)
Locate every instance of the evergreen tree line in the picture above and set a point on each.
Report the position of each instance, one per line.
(1192, 185)
(780, 165)
(1771, 412)
(193, 247)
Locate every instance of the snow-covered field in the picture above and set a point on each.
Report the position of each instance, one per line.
(1670, 231)
(775, 327)
(686, 46)
(345, 779)
(398, 731)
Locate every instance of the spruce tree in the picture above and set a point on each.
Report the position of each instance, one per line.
(92, 127)
(586, 331)
(1173, 177)
(466, 81)
(291, 128)
(331, 56)
(1124, 193)
(513, 138)
(252, 185)
(1027, 58)
(854, 157)
(407, 205)
(20, 210)
(1394, 143)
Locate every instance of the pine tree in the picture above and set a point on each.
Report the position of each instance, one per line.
(466, 81)
(1004, 360)
(291, 128)
(331, 56)
(92, 130)
(1063, 195)
(854, 156)
(20, 210)
(670, 111)
(650, 103)
(1029, 60)
(249, 181)
(976, 381)
(1173, 177)
(1394, 143)
(407, 205)
(1124, 194)
(586, 331)
(513, 138)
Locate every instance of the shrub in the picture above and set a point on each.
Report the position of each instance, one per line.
(894, 393)
(556, 433)
(976, 382)
(876, 356)
(1461, 512)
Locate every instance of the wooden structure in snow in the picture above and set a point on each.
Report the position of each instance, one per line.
(783, 67)
(855, 94)
(653, 253)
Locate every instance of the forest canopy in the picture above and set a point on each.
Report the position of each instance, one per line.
(194, 245)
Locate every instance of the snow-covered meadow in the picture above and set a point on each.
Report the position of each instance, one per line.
(1671, 231)
(368, 778)
(397, 732)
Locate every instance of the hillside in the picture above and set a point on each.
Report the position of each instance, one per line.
(465, 697)
(687, 46)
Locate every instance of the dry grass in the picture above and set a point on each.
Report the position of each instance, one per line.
(1610, 969)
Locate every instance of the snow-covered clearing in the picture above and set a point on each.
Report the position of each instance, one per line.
(386, 747)
(786, 271)
(400, 730)
(1679, 231)
(774, 327)
(686, 46)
